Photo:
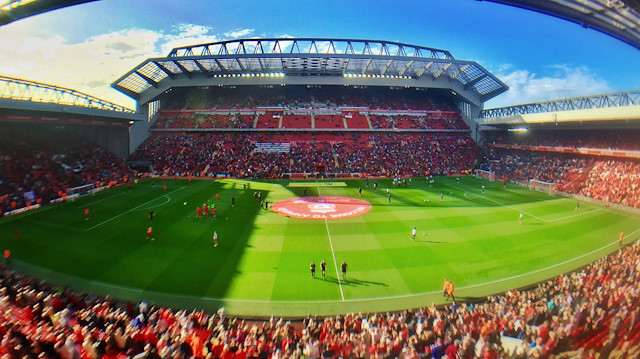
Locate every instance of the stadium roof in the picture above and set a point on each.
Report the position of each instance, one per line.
(618, 18)
(18, 97)
(31, 91)
(11, 10)
(308, 61)
(613, 110)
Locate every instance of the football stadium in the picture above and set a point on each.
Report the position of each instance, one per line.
(320, 197)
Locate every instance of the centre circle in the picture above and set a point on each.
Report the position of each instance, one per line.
(321, 207)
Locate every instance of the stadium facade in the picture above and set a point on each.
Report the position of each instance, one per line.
(314, 62)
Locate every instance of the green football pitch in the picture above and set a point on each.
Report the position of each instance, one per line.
(261, 264)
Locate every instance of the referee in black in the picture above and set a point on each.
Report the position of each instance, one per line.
(343, 267)
(312, 267)
(323, 266)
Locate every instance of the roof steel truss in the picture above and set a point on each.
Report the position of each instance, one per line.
(23, 90)
(327, 57)
(618, 99)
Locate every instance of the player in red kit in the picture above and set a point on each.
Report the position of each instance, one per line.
(150, 233)
(86, 214)
(206, 210)
(213, 211)
(199, 212)
(217, 196)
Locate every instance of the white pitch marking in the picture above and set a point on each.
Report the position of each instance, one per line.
(132, 209)
(527, 213)
(333, 254)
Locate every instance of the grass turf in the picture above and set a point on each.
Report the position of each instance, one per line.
(261, 265)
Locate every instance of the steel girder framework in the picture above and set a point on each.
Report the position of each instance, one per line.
(260, 61)
(618, 18)
(618, 99)
(23, 90)
(11, 10)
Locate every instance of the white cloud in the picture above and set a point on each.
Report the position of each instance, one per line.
(92, 65)
(239, 33)
(562, 81)
(186, 34)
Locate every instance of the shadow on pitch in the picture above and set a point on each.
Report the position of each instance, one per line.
(353, 282)
(427, 241)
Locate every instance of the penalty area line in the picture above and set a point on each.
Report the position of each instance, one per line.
(132, 209)
(524, 212)
(499, 203)
(100, 200)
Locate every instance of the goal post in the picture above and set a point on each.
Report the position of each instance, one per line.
(490, 175)
(542, 186)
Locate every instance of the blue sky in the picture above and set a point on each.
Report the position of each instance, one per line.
(87, 47)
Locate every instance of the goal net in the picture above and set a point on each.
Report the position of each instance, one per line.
(490, 175)
(548, 187)
(75, 192)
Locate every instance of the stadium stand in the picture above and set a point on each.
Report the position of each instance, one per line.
(269, 120)
(319, 108)
(41, 166)
(587, 139)
(572, 316)
(572, 162)
(375, 154)
(315, 150)
(356, 121)
(329, 121)
(381, 122)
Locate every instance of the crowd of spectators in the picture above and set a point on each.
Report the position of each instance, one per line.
(521, 166)
(626, 140)
(190, 119)
(437, 121)
(38, 165)
(197, 111)
(610, 180)
(615, 182)
(376, 154)
(194, 120)
(308, 97)
(575, 315)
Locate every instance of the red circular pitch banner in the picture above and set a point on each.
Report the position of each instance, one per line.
(321, 207)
